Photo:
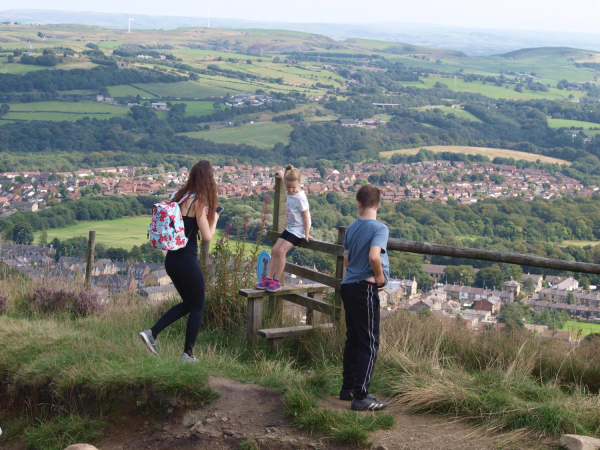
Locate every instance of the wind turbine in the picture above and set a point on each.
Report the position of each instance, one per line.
(129, 25)
(208, 20)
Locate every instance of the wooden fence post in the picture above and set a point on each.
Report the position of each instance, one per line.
(254, 318)
(279, 207)
(90, 260)
(275, 305)
(204, 251)
(339, 274)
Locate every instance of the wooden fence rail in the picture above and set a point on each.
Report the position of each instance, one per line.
(425, 248)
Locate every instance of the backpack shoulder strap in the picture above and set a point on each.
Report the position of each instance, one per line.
(193, 200)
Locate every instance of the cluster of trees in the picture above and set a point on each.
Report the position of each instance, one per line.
(63, 80)
(119, 134)
(296, 117)
(515, 315)
(46, 60)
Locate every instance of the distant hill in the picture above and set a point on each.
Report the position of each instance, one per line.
(399, 48)
(472, 41)
(548, 52)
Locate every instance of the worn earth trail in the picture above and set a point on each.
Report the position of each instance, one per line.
(249, 412)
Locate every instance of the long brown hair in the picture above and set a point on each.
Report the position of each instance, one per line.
(201, 182)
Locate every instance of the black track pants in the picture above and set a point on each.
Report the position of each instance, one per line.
(361, 305)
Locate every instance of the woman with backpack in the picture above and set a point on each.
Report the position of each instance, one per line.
(198, 204)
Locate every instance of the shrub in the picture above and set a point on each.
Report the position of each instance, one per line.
(48, 301)
(3, 304)
(52, 301)
(86, 304)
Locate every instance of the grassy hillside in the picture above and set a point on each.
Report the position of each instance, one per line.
(489, 152)
(264, 135)
(58, 111)
(590, 128)
(547, 52)
(493, 91)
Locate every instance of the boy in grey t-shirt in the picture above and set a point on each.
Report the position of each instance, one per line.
(367, 269)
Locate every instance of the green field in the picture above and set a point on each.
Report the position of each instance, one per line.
(126, 90)
(489, 152)
(585, 327)
(264, 135)
(119, 233)
(20, 69)
(58, 111)
(184, 89)
(564, 123)
(458, 112)
(123, 233)
(548, 65)
(493, 91)
(198, 108)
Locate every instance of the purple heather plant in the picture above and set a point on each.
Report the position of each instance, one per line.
(87, 303)
(51, 301)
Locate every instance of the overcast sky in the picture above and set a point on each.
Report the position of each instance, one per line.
(573, 15)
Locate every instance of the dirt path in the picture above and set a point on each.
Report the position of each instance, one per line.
(243, 412)
(248, 412)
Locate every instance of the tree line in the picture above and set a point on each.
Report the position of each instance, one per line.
(63, 80)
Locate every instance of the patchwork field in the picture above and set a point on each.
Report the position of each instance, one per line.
(548, 65)
(183, 89)
(493, 91)
(564, 123)
(489, 152)
(126, 90)
(58, 111)
(461, 113)
(264, 135)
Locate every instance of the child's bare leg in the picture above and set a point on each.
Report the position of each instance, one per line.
(274, 257)
(282, 249)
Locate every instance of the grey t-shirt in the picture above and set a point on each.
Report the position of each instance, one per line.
(360, 237)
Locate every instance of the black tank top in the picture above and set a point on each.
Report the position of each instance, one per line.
(191, 231)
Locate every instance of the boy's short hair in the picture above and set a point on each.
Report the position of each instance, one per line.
(369, 196)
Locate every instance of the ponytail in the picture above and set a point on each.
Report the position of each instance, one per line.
(292, 174)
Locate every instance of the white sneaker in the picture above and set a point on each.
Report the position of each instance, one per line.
(188, 358)
(149, 340)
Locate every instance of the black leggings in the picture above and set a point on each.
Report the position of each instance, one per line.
(184, 269)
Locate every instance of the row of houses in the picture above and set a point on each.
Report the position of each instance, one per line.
(427, 180)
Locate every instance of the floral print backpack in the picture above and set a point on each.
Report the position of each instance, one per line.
(166, 230)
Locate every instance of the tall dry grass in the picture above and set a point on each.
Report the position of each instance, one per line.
(506, 381)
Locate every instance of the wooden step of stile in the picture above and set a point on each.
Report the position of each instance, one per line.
(285, 290)
(275, 333)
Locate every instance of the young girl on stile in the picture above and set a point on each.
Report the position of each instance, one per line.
(298, 228)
